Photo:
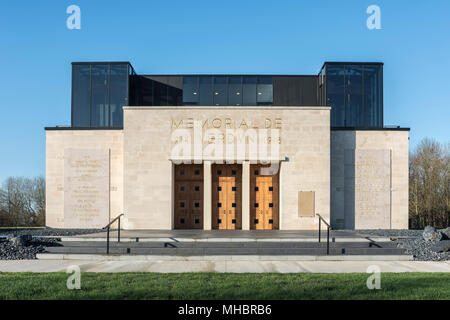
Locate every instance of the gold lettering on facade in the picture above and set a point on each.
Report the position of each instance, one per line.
(174, 123)
(217, 123)
(86, 187)
(227, 123)
(277, 123)
(243, 123)
(370, 185)
(189, 123)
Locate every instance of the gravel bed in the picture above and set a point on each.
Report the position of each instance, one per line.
(412, 241)
(392, 233)
(421, 250)
(9, 251)
(48, 231)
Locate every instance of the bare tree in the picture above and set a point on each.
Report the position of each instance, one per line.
(38, 200)
(429, 182)
(3, 208)
(22, 202)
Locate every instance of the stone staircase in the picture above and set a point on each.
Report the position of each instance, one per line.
(221, 249)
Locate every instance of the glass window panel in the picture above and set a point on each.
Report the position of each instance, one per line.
(118, 82)
(249, 90)
(336, 94)
(133, 94)
(264, 90)
(160, 91)
(235, 91)
(190, 91)
(100, 103)
(220, 91)
(372, 96)
(81, 95)
(206, 91)
(174, 96)
(145, 91)
(353, 96)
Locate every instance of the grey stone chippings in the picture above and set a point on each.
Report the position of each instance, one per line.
(414, 242)
(48, 232)
(431, 234)
(441, 246)
(423, 250)
(20, 240)
(391, 232)
(446, 233)
(411, 240)
(20, 245)
(10, 250)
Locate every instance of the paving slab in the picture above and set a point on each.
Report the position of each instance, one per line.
(212, 257)
(233, 266)
(85, 238)
(222, 235)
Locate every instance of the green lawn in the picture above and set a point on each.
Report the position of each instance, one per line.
(224, 286)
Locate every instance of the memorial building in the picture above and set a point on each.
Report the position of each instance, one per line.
(245, 152)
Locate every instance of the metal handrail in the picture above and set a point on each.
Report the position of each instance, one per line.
(328, 231)
(108, 226)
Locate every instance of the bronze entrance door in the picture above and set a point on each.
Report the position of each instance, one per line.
(264, 199)
(226, 196)
(188, 196)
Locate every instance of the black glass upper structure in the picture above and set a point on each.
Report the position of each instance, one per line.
(227, 90)
(99, 91)
(353, 90)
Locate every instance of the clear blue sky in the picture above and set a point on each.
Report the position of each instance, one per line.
(245, 36)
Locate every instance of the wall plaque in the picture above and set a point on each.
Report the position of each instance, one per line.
(368, 188)
(86, 188)
(306, 204)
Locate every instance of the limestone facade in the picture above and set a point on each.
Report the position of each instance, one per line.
(344, 144)
(309, 155)
(57, 142)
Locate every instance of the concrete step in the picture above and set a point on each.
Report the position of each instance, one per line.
(313, 239)
(246, 259)
(281, 245)
(224, 251)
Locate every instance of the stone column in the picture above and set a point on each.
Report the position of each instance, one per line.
(246, 195)
(207, 195)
